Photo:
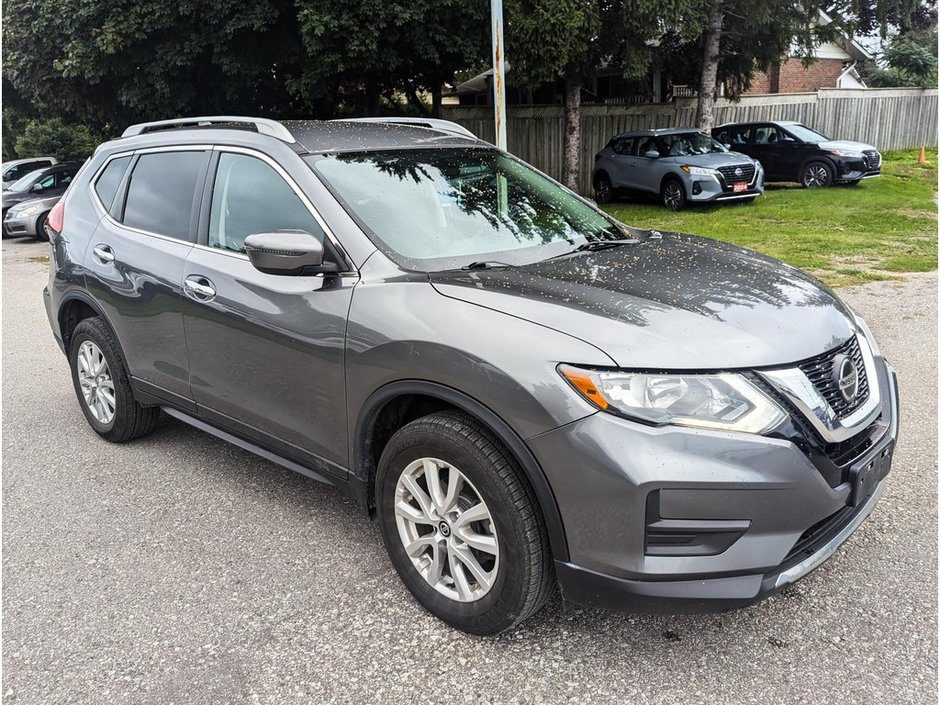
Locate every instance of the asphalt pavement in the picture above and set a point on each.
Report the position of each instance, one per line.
(180, 569)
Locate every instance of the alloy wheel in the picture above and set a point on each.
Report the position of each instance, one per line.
(446, 529)
(815, 176)
(672, 196)
(602, 190)
(94, 376)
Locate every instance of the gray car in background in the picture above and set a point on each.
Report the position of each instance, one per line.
(526, 394)
(680, 165)
(27, 219)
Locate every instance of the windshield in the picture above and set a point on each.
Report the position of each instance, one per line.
(804, 134)
(25, 182)
(691, 143)
(432, 209)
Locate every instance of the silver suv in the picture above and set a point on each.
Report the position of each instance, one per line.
(522, 391)
(681, 165)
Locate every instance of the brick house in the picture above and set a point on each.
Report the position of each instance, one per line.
(834, 67)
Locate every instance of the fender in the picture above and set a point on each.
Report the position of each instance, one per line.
(361, 473)
(86, 298)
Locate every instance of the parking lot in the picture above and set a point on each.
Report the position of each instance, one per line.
(179, 569)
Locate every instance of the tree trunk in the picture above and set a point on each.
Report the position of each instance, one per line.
(707, 87)
(436, 100)
(572, 164)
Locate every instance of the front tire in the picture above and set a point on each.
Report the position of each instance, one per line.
(673, 195)
(41, 227)
(103, 387)
(603, 189)
(461, 524)
(817, 174)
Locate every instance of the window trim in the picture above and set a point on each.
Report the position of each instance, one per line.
(93, 183)
(202, 238)
(122, 187)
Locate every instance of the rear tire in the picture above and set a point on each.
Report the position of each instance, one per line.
(435, 470)
(673, 195)
(603, 189)
(103, 387)
(817, 174)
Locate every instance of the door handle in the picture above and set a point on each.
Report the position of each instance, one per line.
(199, 288)
(104, 254)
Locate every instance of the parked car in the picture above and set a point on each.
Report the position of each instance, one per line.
(51, 181)
(791, 151)
(522, 391)
(18, 168)
(27, 219)
(681, 165)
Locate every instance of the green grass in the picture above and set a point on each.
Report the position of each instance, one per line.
(844, 235)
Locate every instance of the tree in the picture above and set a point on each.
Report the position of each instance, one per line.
(55, 138)
(740, 37)
(107, 63)
(911, 61)
(359, 53)
(548, 40)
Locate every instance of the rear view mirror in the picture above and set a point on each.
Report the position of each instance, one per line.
(651, 154)
(287, 252)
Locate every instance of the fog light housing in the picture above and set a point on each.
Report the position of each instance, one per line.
(696, 188)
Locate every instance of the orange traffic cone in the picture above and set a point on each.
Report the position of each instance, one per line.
(922, 159)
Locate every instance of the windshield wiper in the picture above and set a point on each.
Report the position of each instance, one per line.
(595, 245)
(486, 264)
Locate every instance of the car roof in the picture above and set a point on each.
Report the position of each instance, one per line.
(782, 123)
(313, 136)
(659, 132)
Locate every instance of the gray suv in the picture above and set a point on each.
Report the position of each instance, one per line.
(523, 392)
(680, 165)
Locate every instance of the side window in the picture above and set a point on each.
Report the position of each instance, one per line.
(248, 197)
(649, 144)
(161, 192)
(15, 172)
(46, 182)
(64, 178)
(623, 145)
(107, 184)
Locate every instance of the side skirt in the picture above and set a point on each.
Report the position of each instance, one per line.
(247, 445)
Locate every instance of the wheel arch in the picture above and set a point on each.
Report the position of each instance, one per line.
(672, 176)
(370, 438)
(76, 306)
(817, 158)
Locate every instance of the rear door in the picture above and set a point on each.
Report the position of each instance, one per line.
(623, 163)
(266, 351)
(135, 260)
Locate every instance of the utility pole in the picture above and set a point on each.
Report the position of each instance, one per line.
(499, 74)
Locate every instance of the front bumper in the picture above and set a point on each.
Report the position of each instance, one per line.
(794, 520)
(856, 169)
(710, 189)
(19, 227)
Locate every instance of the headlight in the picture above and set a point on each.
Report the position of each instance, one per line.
(846, 153)
(24, 212)
(864, 330)
(698, 170)
(725, 401)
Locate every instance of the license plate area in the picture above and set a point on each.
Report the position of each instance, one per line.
(864, 476)
(737, 188)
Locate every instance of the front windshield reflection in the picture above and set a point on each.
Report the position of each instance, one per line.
(432, 208)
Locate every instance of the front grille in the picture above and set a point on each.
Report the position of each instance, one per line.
(819, 371)
(728, 172)
(872, 158)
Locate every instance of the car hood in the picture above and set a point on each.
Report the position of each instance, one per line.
(12, 197)
(846, 145)
(45, 202)
(667, 302)
(715, 160)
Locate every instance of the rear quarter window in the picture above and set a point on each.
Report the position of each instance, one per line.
(161, 192)
(107, 184)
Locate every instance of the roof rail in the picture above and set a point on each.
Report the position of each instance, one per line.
(263, 126)
(432, 123)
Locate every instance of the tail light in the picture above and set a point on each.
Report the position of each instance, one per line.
(56, 218)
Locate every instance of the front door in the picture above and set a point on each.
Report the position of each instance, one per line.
(266, 351)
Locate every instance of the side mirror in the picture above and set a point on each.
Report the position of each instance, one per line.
(35, 188)
(287, 252)
(651, 154)
(789, 139)
(726, 145)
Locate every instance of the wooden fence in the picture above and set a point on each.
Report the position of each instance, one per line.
(889, 118)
